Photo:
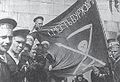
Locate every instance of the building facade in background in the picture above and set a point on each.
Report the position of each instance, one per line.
(24, 11)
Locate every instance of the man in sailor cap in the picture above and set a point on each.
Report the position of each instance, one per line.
(6, 32)
(18, 43)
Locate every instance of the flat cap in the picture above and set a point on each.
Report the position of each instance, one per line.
(81, 75)
(21, 32)
(45, 42)
(39, 17)
(9, 21)
(111, 40)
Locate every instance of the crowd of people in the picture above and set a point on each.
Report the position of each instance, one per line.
(20, 61)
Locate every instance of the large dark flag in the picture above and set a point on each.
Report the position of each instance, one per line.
(77, 39)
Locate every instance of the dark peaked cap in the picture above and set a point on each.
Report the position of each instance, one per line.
(21, 32)
(39, 17)
(9, 21)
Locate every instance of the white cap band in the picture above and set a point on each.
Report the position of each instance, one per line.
(45, 42)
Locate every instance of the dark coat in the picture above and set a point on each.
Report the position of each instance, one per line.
(36, 72)
(4, 72)
(117, 71)
(114, 67)
(16, 75)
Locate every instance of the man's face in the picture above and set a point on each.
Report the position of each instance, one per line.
(45, 47)
(39, 24)
(115, 48)
(80, 78)
(18, 44)
(5, 37)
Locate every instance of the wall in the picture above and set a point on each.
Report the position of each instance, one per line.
(25, 10)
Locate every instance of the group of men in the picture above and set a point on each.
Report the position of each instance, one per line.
(16, 63)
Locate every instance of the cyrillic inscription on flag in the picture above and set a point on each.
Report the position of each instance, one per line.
(77, 39)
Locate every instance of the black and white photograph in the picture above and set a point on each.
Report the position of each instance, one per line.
(59, 40)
